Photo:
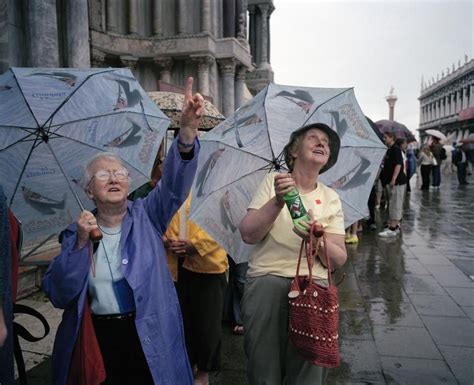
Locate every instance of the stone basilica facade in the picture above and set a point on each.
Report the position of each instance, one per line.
(223, 44)
(447, 103)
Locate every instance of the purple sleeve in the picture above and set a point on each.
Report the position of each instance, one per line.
(68, 272)
(173, 188)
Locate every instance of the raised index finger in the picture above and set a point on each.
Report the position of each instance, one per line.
(188, 91)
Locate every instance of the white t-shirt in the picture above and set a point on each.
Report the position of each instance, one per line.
(278, 252)
(103, 299)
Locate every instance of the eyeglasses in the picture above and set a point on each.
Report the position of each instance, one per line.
(105, 175)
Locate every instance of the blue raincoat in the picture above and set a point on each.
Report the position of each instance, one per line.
(158, 316)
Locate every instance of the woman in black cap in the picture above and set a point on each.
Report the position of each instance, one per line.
(310, 151)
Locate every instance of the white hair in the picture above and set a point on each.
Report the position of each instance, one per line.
(92, 161)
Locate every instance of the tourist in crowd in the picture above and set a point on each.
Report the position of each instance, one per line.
(439, 154)
(426, 161)
(393, 180)
(460, 161)
(124, 279)
(310, 151)
(198, 265)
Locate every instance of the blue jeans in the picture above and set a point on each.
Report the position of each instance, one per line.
(436, 175)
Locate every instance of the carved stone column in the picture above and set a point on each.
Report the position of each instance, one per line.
(133, 17)
(43, 39)
(128, 61)
(239, 86)
(78, 51)
(206, 16)
(112, 16)
(241, 16)
(203, 63)
(182, 17)
(459, 100)
(253, 32)
(165, 65)
(465, 99)
(157, 22)
(265, 11)
(452, 106)
(227, 67)
(471, 97)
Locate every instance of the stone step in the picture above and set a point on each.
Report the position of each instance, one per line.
(29, 280)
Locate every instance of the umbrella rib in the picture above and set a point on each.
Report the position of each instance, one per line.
(322, 104)
(72, 93)
(104, 115)
(240, 149)
(266, 167)
(24, 98)
(19, 141)
(266, 120)
(22, 171)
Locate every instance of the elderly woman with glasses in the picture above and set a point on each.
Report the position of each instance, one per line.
(122, 322)
(310, 151)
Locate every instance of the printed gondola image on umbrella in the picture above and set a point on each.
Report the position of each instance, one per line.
(52, 121)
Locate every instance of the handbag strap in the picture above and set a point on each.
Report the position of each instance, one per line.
(311, 252)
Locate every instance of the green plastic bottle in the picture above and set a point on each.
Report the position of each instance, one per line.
(297, 210)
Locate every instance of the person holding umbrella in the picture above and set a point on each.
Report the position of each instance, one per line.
(124, 279)
(311, 150)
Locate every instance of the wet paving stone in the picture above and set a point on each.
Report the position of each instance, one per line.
(359, 362)
(395, 314)
(404, 341)
(457, 357)
(441, 305)
(459, 332)
(407, 371)
(462, 296)
(422, 284)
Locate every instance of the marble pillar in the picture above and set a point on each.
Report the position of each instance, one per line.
(112, 24)
(165, 66)
(240, 86)
(133, 17)
(265, 36)
(203, 65)
(229, 18)
(253, 32)
(182, 17)
(465, 99)
(471, 96)
(77, 25)
(241, 19)
(227, 67)
(157, 22)
(43, 34)
(459, 101)
(206, 16)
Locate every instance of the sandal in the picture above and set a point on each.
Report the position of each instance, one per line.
(238, 330)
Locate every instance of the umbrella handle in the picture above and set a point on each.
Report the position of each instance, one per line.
(95, 235)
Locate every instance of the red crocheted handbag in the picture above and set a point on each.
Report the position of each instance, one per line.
(314, 312)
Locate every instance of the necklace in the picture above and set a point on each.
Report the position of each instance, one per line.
(105, 232)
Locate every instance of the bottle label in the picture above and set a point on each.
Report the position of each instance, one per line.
(296, 207)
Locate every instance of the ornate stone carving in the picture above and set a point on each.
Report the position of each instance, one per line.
(128, 61)
(227, 66)
(203, 62)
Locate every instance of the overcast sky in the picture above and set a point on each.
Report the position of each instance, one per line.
(371, 46)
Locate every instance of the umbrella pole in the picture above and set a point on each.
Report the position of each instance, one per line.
(95, 235)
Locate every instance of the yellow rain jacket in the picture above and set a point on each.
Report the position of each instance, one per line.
(212, 258)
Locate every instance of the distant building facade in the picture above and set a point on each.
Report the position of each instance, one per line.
(447, 103)
(224, 44)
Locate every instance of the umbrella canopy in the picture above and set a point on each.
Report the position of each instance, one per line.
(236, 155)
(400, 130)
(171, 104)
(52, 121)
(437, 134)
